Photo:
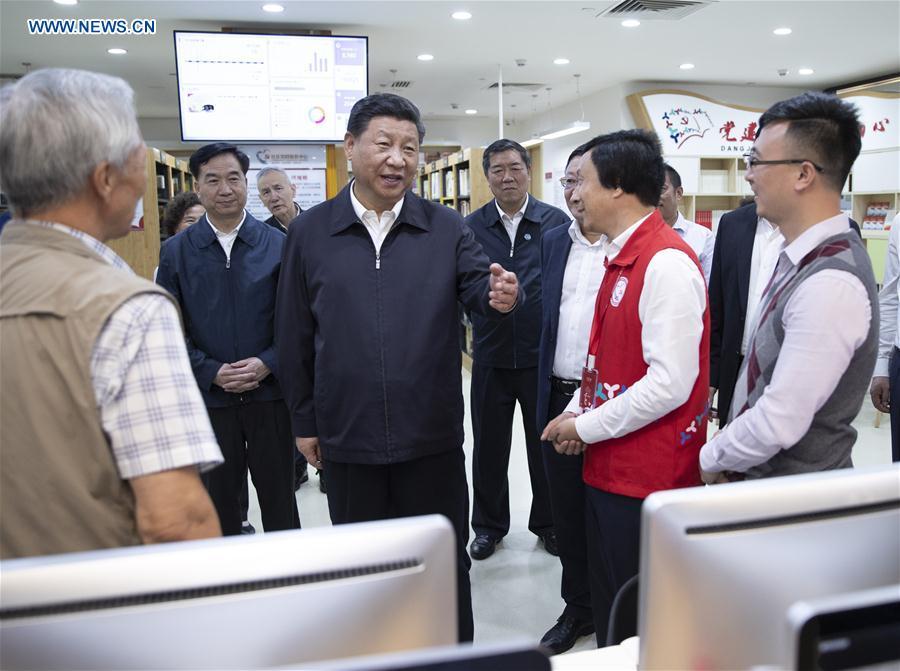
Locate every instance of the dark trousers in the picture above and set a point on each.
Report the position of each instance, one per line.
(257, 436)
(494, 394)
(299, 470)
(564, 478)
(894, 381)
(435, 484)
(613, 525)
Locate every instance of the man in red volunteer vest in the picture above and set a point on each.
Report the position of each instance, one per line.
(641, 415)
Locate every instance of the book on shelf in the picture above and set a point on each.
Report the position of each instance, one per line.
(449, 185)
(465, 208)
(463, 181)
(704, 218)
(426, 189)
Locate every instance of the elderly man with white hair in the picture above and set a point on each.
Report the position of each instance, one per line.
(104, 430)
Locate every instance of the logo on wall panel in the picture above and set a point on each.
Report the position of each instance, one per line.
(618, 292)
(683, 124)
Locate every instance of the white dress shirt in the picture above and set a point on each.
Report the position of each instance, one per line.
(700, 239)
(825, 320)
(378, 227)
(227, 239)
(888, 300)
(767, 244)
(581, 281)
(670, 308)
(511, 224)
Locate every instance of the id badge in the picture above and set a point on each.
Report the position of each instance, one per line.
(588, 385)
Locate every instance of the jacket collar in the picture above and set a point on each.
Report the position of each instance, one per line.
(202, 234)
(344, 216)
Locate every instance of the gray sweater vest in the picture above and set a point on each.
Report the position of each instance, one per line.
(830, 438)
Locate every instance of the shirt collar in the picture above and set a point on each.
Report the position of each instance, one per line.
(92, 243)
(578, 237)
(361, 209)
(614, 246)
(680, 223)
(220, 234)
(519, 213)
(813, 236)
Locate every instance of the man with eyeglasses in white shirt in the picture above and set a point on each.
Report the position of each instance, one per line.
(811, 355)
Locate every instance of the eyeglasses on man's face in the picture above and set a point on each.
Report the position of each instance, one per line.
(570, 182)
(751, 162)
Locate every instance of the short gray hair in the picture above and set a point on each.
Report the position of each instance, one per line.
(269, 170)
(57, 127)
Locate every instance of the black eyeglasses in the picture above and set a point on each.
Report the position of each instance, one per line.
(751, 161)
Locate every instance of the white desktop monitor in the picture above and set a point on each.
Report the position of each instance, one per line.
(721, 566)
(274, 599)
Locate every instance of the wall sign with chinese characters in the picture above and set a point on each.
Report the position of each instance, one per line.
(689, 124)
(879, 119)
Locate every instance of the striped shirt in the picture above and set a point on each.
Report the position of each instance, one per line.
(149, 403)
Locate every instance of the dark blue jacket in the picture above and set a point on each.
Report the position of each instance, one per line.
(368, 347)
(228, 309)
(513, 342)
(554, 256)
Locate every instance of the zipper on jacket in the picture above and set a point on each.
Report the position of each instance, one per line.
(227, 262)
(377, 260)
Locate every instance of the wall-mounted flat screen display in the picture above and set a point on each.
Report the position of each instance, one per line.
(262, 88)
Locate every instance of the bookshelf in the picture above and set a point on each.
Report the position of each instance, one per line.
(456, 181)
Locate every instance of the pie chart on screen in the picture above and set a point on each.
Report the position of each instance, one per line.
(316, 114)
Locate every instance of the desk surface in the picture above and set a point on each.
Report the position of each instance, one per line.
(616, 657)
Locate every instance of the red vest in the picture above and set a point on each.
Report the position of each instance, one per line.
(663, 454)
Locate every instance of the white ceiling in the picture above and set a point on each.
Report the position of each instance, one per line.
(729, 41)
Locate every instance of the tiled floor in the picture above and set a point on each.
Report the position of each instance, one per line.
(515, 592)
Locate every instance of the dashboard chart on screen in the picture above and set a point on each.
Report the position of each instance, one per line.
(251, 87)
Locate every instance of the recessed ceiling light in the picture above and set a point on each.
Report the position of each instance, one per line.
(273, 8)
(425, 57)
(782, 31)
(471, 111)
(116, 51)
(805, 71)
(686, 66)
(560, 61)
(631, 23)
(66, 2)
(461, 16)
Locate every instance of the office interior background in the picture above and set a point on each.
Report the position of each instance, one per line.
(557, 64)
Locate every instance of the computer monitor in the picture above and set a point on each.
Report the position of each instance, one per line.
(721, 566)
(858, 630)
(273, 599)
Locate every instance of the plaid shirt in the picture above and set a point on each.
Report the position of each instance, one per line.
(150, 406)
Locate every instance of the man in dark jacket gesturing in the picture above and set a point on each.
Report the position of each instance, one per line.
(366, 333)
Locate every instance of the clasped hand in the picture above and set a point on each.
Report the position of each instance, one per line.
(241, 376)
(562, 434)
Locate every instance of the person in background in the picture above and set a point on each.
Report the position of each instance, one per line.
(182, 211)
(277, 193)
(505, 353)
(224, 272)
(104, 430)
(571, 272)
(366, 330)
(699, 238)
(886, 379)
(641, 412)
(815, 338)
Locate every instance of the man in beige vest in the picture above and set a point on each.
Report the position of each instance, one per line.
(103, 426)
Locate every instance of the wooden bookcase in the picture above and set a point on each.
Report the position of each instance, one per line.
(166, 176)
(456, 181)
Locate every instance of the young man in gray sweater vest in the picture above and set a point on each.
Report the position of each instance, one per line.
(813, 351)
